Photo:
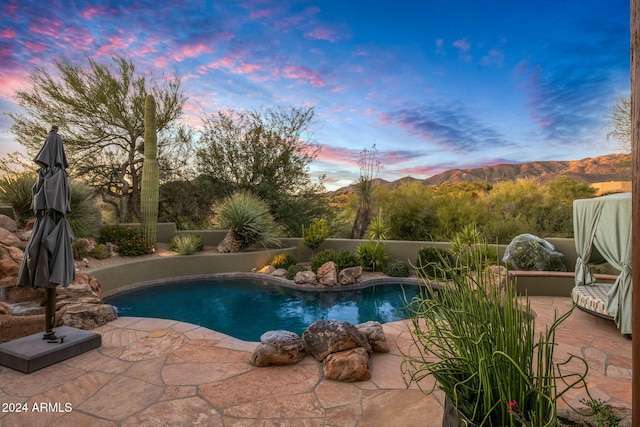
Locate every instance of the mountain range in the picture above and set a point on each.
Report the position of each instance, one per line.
(610, 167)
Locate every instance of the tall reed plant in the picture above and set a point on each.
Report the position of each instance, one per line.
(477, 338)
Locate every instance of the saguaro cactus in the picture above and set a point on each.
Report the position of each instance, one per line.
(150, 175)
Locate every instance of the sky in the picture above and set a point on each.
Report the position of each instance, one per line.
(435, 85)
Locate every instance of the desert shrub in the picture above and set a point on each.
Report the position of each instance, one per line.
(321, 257)
(100, 251)
(430, 261)
(84, 217)
(284, 260)
(186, 244)
(317, 233)
(346, 259)
(248, 220)
(397, 269)
(293, 270)
(372, 255)
(15, 191)
(80, 248)
(128, 240)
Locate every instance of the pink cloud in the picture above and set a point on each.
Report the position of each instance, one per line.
(494, 57)
(115, 43)
(12, 80)
(302, 73)
(35, 47)
(46, 27)
(91, 12)
(192, 51)
(7, 33)
(322, 33)
(331, 154)
(161, 61)
(463, 45)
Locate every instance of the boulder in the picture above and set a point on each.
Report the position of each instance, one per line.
(306, 276)
(88, 316)
(5, 308)
(328, 274)
(8, 268)
(324, 337)
(279, 272)
(7, 238)
(348, 365)
(349, 275)
(374, 334)
(8, 223)
(267, 269)
(529, 252)
(278, 348)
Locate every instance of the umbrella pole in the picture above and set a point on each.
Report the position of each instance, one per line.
(50, 315)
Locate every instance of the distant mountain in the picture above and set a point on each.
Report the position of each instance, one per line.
(612, 167)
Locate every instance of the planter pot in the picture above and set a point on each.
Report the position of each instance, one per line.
(454, 418)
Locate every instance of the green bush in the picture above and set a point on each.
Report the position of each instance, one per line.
(284, 260)
(293, 270)
(100, 251)
(317, 233)
(186, 244)
(321, 257)
(127, 239)
(15, 191)
(397, 269)
(248, 220)
(80, 248)
(345, 259)
(372, 256)
(84, 217)
(430, 262)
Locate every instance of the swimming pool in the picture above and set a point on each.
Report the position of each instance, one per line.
(245, 308)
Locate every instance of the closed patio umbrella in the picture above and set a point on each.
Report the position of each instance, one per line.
(48, 259)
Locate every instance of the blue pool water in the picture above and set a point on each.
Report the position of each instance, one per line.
(246, 308)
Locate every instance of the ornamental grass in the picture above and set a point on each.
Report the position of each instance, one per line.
(477, 338)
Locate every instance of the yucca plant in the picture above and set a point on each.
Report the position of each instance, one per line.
(372, 256)
(249, 222)
(15, 191)
(84, 217)
(378, 229)
(477, 340)
(186, 244)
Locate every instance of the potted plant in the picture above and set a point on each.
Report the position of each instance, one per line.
(476, 337)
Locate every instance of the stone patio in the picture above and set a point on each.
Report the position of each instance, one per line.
(153, 372)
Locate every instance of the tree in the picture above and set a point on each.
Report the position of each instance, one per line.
(620, 123)
(369, 168)
(100, 109)
(266, 152)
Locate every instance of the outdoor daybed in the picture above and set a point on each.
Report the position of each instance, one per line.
(604, 223)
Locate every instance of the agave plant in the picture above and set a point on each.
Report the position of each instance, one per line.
(249, 222)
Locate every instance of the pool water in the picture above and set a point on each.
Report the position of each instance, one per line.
(246, 308)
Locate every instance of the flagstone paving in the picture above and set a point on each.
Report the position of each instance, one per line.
(154, 372)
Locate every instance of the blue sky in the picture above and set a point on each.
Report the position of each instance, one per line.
(435, 85)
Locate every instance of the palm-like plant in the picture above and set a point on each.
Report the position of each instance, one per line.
(15, 191)
(249, 222)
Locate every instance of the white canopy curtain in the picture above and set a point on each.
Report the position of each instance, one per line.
(605, 223)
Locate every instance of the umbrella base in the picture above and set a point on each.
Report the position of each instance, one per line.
(32, 352)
